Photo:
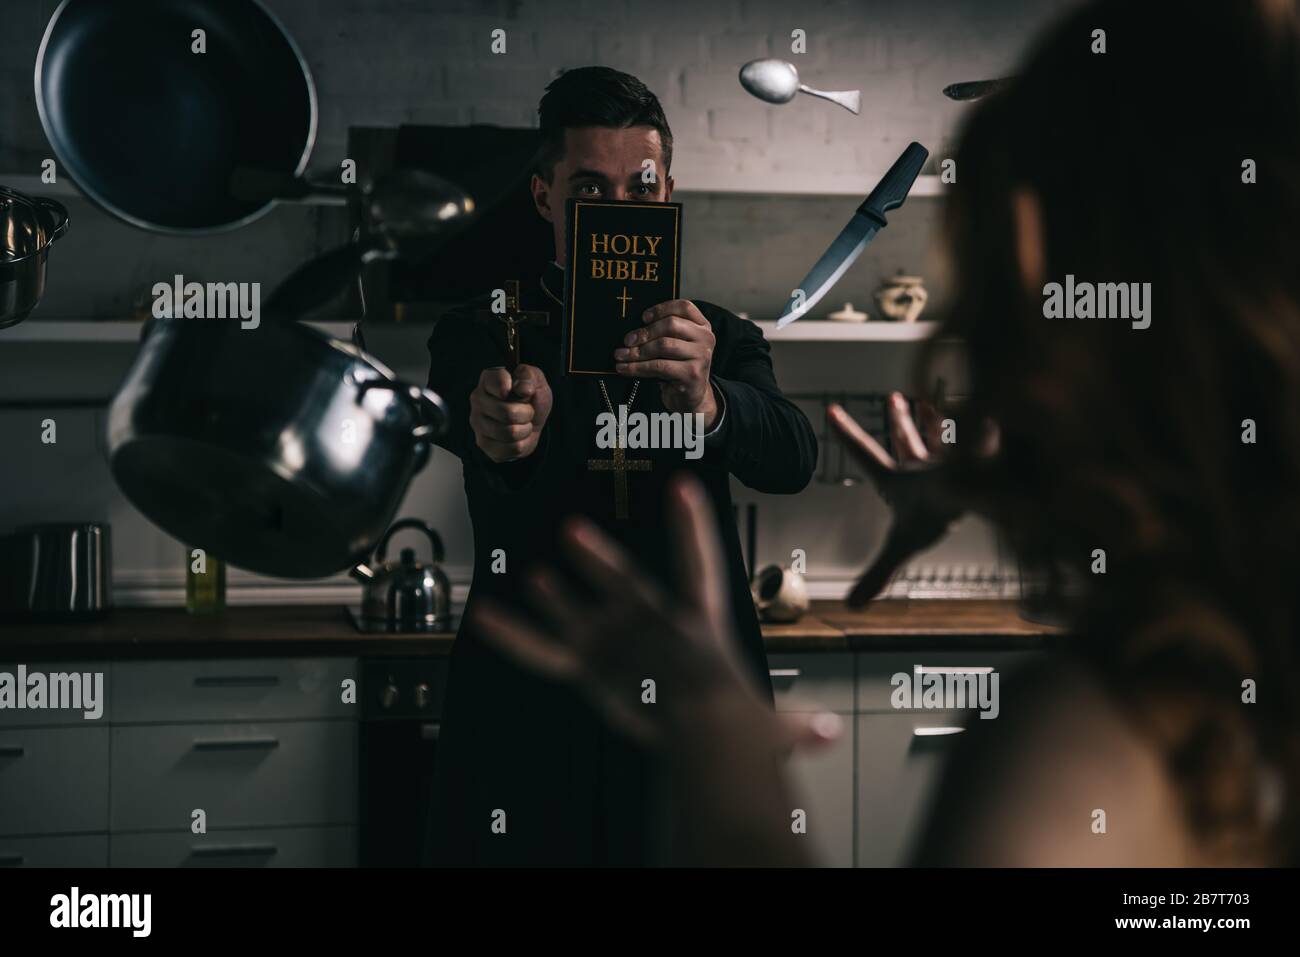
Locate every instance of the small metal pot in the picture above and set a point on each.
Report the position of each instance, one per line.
(59, 570)
(278, 449)
(27, 228)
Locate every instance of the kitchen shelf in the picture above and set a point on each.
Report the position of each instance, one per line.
(65, 187)
(795, 183)
(803, 330)
(824, 330)
(112, 330)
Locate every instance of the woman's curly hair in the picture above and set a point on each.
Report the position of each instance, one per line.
(1173, 158)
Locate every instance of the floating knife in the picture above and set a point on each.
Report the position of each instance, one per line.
(868, 220)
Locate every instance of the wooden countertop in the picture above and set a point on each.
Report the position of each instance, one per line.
(325, 630)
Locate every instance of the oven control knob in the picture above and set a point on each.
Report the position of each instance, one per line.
(422, 696)
(388, 697)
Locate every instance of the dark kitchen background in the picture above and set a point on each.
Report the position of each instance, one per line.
(763, 186)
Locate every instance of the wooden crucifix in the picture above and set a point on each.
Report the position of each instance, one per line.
(620, 465)
(512, 316)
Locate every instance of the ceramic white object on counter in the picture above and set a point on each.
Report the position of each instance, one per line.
(901, 298)
(780, 594)
(848, 314)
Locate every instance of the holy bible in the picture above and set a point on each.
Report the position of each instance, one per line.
(624, 257)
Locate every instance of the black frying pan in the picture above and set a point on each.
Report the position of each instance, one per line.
(155, 133)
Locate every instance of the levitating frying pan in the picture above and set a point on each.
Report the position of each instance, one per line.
(155, 133)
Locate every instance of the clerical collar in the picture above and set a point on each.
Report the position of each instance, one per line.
(553, 279)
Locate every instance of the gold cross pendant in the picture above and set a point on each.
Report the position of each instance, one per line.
(620, 465)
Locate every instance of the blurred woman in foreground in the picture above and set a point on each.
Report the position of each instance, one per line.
(1172, 446)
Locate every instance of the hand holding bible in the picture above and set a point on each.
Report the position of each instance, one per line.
(675, 345)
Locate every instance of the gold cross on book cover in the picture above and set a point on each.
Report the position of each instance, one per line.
(624, 257)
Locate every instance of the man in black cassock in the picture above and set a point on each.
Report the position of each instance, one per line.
(527, 772)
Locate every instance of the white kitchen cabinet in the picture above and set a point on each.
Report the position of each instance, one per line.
(61, 850)
(272, 847)
(267, 747)
(823, 782)
(899, 759)
(231, 689)
(274, 773)
(53, 780)
(815, 680)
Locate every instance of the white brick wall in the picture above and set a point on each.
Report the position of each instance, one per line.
(428, 61)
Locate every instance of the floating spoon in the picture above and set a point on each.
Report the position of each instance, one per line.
(777, 81)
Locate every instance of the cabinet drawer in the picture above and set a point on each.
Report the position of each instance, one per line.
(73, 850)
(276, 847)
(254, 689)
(53, 780)
(812, 681)
(876, 671)
(88, 685)
(241, 775)
(823, 788)
(900, 757)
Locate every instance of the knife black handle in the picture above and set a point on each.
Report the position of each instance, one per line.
(895, 185)
(973, 89)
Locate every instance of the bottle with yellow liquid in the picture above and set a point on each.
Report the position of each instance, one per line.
(205, 583)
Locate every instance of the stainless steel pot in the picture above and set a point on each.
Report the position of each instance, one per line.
(278, 449)
(27, 228)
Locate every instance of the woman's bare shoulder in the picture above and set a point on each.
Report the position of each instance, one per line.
(1061, 778)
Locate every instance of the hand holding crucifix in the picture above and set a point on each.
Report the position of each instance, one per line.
(510, 405)
(512, 315)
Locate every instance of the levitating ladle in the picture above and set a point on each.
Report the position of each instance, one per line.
(777, 81)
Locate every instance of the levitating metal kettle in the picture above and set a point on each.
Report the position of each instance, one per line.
(406, 595)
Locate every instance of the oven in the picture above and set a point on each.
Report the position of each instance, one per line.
(400, 723)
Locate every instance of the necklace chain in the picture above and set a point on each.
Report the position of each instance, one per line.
(631, 397)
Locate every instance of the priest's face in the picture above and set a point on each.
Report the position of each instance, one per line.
(601, 162)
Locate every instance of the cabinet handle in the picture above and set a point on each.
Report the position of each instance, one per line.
(430, 731)
(784, 672)
(11, 860)
(233, 850)
(12, 751)
(236, 681)
(234, 744)
(934, 740)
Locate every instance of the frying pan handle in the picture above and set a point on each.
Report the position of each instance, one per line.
(316, 282)
(61, 216)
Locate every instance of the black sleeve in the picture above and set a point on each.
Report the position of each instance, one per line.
(766, 441)
(453, 375)
(459, 351)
